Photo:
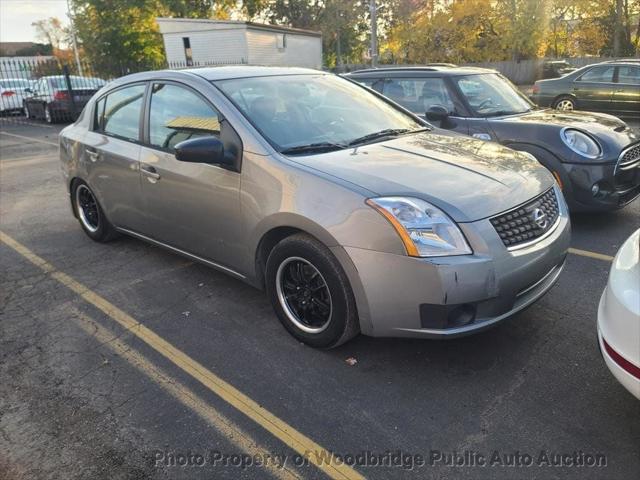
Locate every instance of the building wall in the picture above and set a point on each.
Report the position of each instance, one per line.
(217, 46)
(300, 50)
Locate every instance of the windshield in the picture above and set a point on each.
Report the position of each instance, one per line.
(14, 83)
(297, 113)
(492, 95)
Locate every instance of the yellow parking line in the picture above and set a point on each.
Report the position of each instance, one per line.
(302, 444)
(31, 139)
(587, 253)
(182, 393)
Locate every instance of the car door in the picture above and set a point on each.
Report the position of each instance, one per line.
(112, 151)
(626, 96)
(594, 89)
(33, 102)
(418, 94)
(193, 207)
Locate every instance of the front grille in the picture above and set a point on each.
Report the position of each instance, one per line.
(528, 222)
(629, 158)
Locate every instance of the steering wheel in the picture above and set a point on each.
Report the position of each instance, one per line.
(484, 103)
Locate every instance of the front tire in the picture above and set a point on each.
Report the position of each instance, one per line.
(565, 103)
(310, 292)
(90, 214)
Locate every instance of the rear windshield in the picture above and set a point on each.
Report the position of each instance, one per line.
(14, 83)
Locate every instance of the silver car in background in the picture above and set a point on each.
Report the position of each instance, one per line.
(353, 214)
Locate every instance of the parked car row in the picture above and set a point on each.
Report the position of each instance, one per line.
(593, 156)
(354, 214)
(49, 98)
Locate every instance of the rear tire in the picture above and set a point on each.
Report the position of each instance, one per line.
(311, 293)
(565, 103)
(90, 214)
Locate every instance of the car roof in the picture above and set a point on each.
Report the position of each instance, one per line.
(633, 61)
(221, 73)
(440, 69)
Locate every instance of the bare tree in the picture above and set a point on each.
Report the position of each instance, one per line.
(51, 31)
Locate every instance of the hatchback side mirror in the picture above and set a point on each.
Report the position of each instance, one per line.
(437, 113)
(201, 150)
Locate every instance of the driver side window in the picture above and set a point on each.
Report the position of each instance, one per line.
(178, 114)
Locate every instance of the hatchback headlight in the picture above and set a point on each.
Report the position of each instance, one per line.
(580, 143)
(425, 230)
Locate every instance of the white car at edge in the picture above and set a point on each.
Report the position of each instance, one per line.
(619, 316)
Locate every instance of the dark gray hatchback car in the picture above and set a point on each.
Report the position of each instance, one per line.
(594, 157)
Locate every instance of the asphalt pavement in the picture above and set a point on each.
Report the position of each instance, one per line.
(125, 361)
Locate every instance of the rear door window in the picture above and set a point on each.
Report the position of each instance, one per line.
(419, 94)
(600, 74)
(629, 75)
(120, 113)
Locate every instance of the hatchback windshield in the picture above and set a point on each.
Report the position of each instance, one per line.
(300, 114)
(491, 95)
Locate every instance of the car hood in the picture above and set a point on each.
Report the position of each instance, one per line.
(467, 178)
(612, 131)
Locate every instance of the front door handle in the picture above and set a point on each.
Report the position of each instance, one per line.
(150, 172)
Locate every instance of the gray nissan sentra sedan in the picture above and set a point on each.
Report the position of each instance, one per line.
(353, 214)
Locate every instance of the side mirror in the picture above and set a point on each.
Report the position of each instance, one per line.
(437, 113)
(201, 150)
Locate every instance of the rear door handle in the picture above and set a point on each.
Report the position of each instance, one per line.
(150, 172)
(92, 153)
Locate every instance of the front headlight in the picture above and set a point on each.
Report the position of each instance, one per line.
(580, 143)
(425, 230)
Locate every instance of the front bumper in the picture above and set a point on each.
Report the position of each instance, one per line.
(446, 297)
(616, 189)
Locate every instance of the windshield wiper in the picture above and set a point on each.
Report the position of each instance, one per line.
(389, 132)
(314, 148)
(501, 113)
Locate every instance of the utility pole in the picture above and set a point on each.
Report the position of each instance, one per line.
(617, 33)
(338, 39)
(73, 39)
(374, 32)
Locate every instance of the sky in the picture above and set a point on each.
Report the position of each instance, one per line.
(16, 17)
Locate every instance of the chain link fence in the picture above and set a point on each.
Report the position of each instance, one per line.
(51, 90)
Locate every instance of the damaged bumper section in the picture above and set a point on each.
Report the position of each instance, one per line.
(448, 297)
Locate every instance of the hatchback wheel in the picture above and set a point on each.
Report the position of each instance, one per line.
(566, 104)
(90, 214)
(310, 292)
